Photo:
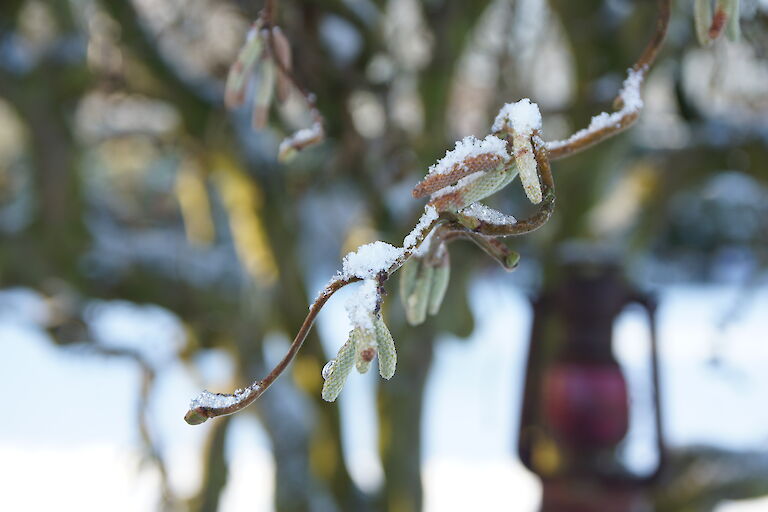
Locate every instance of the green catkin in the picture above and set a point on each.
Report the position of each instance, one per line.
(345, 359)
(387, 352)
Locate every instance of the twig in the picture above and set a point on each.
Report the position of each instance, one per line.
(625, 116)
(448, 226)
(233, 402)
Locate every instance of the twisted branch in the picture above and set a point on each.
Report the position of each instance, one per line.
(445, 229)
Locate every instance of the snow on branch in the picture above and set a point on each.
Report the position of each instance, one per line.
(473, 170)
(605, 123)
(629, 102)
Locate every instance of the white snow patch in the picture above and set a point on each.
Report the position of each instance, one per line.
(469, 147)
(370, 259)
(422, 250)
(362, 303)
(486, 214)
(633, 102)
(523, 117)
(210, 400)
(430, 215)
(301, 138)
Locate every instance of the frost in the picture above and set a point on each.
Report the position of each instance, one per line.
(523, 117)
(489, 215)
(469, 147)
(208, 400)
(370, 259)
(631, 100)
(362, 304)
(430, 215)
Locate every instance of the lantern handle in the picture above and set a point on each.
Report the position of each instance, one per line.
(649, 304)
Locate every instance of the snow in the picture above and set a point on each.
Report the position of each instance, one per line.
(422, 250)
(630, 90)
(361, 305)
(209, 400)
(523, 117)
(489, 215)
(469, 147)
(370, 259)
(301, 138)
(632, 102)
(427, 218)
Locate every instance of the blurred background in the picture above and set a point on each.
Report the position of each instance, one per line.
(152, 247)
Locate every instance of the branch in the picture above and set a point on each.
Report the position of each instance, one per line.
(209, 405)
(530, 224)
(446, 228)
(628, 101)
(377, 261)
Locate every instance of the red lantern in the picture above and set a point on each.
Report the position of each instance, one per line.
(586, 403)
(576, 408)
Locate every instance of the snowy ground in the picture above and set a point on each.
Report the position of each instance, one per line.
(68, 442)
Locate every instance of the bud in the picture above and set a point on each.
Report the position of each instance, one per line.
(423, 284)
(283, 55)
(526, 163)
(338, 371)
(240, 71)
(702, 16)
(473, 167)
(732, 29)
(710, 24)
(415, 294)
(511, 261)
(195, 417)
(262, 98)
(365, 347)
(387, 352)
(440, 278)
(520, 120)
(473, 188)
(433, 182)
